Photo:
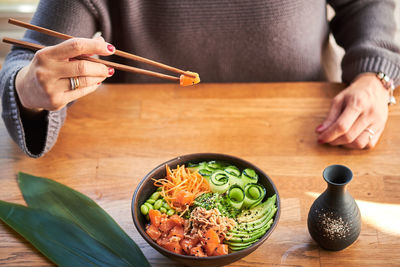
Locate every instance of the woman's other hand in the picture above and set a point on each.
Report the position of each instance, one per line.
(45, 82)
(358, 114)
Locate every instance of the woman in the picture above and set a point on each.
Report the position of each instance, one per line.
(224, 41)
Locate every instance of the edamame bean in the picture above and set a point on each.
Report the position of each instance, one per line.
(165, 205)
(158, 204)
(144, 209)
(163, 210)
(149, 206)
(170, 212)
(151, 201)
(155, 195)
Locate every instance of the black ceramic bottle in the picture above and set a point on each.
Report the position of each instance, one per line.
(334, 219)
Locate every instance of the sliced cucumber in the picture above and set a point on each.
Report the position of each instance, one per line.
(236, 196)
(204, 172)
(219, 182)
(236, 180)
(249, 176)
(214, 165)
(254, 194)
(232, 170)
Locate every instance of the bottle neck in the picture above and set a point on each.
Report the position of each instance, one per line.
(336, 194)
(336, 189)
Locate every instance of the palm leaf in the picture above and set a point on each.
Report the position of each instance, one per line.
(61, 240)
(62, 201)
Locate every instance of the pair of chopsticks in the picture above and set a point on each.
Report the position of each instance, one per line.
(114, 65)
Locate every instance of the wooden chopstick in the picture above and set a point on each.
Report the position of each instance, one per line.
(117, 52)
(117, 66)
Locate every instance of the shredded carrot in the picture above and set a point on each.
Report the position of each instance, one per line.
(181, 186)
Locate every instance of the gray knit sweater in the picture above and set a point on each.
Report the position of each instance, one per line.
(224, 41)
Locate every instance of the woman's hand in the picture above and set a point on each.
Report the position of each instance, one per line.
(358, 114)
(45, 83)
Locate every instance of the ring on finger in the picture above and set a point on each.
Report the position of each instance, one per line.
(74, 81)
(371, 133)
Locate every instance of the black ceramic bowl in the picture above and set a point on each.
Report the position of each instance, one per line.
(146, 188)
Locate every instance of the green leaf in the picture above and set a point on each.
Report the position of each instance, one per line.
(60, 200)
(61, 240)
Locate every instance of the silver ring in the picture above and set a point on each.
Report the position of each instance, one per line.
(74, 81)
(371, 133)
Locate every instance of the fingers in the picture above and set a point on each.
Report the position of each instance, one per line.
(357, 108)
(83, 68)
(355, 131)
(63, 94)
(96, 38)
(83, 81)
(341, 126)
(334, 112)
(373, 139)
(79, 46)
(78, 93)
(45, 83)
(365, 139)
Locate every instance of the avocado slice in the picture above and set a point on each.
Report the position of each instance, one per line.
(239, 248)
(254, 225)
(252, 237)
(232, 244)
(241, 230)
(257, 212)
(246, 234)
(251, 226)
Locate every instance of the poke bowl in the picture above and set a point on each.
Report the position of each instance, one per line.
(225, 209)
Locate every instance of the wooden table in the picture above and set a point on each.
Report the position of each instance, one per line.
(113, 137)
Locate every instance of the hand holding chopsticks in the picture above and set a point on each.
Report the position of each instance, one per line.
(51, 78)
(117, 66)
(185, 75)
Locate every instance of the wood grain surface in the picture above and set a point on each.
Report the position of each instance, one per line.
(116, 135)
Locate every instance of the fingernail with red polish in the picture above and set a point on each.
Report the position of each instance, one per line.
(110, 71)
(98, 83)
(110, 48)
(319, 128)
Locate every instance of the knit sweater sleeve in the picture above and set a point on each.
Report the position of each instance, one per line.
(37, 135)
(366, 30)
